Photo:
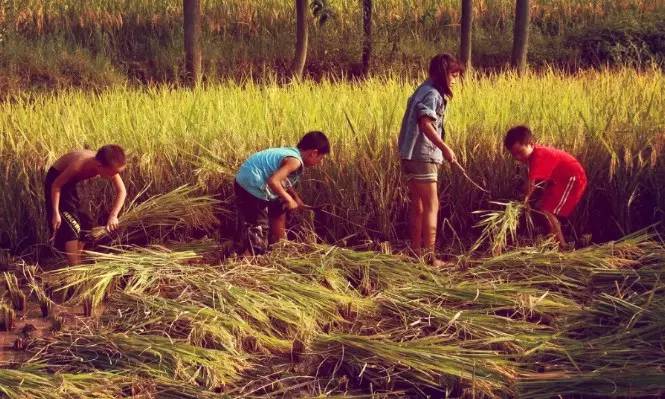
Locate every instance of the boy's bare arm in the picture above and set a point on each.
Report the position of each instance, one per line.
(530, 187)
(293, 193)
(120, 196)
(425, 123)
(289, 165)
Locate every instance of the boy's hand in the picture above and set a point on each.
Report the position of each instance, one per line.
(56, 221)
(112, 223)
(527, 205)
(291, 204)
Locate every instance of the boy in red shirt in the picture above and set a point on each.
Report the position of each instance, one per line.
(563, 176)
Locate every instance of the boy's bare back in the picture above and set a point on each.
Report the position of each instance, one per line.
(81, 162)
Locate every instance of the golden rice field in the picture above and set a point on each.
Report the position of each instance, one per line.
(613, 121)
(315, 318)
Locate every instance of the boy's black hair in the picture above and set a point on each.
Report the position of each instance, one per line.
(314, 140)
(111, 155)
(440, 68)
(518, 134)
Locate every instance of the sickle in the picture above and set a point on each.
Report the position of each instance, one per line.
(478, 186)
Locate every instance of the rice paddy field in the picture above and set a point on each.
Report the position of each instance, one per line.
(613, 121)
(160, 311)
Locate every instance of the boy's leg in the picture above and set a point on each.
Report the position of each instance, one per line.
(73, 252)
(277, 221)
(560, 201)
(252, 227)
(277, 228)
(68, 238)
(555, 228)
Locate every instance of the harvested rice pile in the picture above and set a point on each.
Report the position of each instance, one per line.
(312, 320)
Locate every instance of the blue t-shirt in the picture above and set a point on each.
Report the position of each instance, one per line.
(255, 171)
(412, 143)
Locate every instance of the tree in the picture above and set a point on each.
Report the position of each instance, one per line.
(465, 33)
(302, 34)
(192, 27)
(520, 35)
(367, 38)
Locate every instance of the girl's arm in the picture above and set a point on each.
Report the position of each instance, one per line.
(426, 125)
(289, 165)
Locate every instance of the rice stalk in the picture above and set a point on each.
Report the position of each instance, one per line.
(500, 226)
(7, 316)
(606, 382)
(433, 361)
(164, 213)
(147, 355)
(16, 295)
(143, 269)
(36, 289)
(34, 380)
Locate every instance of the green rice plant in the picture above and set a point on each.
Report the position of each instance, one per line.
(37, 290)
(16, 295)
(7, 316)
(176, 318)
(33, 380)
(143, 267)
(143, 354)
(163, 213)
(369, 271)
(606, 383)
(574, 272)
(28, 381)
(508, 324)
(607, 114)
(500, 227)
(433, 361)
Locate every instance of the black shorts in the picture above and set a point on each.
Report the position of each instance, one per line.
(253, 216)
(75, 223)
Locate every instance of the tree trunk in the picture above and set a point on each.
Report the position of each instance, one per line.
(192, 27)
(520, 35)
(465, 33)
(301, 39)
(367, 39)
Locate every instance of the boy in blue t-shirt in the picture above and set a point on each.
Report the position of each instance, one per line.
(264, 190)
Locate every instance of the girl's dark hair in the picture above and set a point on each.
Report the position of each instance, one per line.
(518, 134)
(111, 155)
(440, 68)
(315, 141)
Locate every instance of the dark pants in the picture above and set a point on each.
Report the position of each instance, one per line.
(74, 222)
(254, 215)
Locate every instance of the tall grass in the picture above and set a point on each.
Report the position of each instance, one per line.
(612, 121)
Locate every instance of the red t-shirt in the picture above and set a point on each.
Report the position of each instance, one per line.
(552, 165)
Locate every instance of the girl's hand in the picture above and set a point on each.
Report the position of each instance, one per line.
(450, 156)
